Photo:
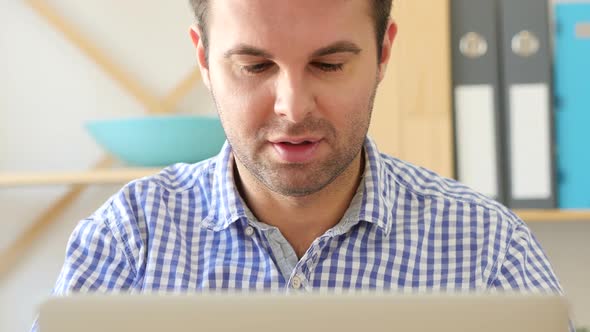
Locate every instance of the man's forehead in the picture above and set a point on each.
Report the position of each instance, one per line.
(314, 23)
(288, 6)
(275, 12)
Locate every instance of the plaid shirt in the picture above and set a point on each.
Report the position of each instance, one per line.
(407, 229)
(188, 229)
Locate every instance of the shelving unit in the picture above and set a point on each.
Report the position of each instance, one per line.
(412, 116)
(124, 175)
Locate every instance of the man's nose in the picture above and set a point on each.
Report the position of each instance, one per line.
(294, 99)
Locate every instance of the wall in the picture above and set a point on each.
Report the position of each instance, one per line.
(48, 89)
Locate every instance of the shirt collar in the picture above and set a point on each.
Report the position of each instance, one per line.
(378, 192)
(228, 207)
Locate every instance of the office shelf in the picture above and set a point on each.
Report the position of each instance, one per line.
(124, 175)
(91, 177)
(554, 215)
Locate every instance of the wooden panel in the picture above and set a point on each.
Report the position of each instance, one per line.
(423, 138)
(412, 117)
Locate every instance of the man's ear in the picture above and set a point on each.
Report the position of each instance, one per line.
(196, 32)
(388, 40)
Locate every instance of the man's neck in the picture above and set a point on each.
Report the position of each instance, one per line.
(301, 220)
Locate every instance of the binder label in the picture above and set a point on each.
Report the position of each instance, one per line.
(531, 141)
(476, 132)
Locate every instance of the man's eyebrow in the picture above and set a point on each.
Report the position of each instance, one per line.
(243, 49)
(337, 47)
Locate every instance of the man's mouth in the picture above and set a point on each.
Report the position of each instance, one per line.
(296, 151)
(296, 144)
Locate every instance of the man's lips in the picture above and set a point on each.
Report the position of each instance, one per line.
(295, 140)
(296, 150)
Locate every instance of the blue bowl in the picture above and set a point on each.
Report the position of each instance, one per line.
(159, 140)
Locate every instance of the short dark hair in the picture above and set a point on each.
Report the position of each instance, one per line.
(380, 13)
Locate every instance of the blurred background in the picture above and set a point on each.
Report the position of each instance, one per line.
(64, 63)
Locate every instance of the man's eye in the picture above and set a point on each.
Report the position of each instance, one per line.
(257, 68)
(328, 67)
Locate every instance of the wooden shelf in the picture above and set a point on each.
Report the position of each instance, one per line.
(554, 215)
(124, 175)
(106, 176)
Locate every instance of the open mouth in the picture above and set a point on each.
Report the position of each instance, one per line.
(297, 144)
(296, 152)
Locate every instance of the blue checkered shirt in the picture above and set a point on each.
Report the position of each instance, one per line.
(188, 229)
(406, 229)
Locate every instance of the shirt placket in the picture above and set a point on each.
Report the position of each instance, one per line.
(300, 279)
(296, 272)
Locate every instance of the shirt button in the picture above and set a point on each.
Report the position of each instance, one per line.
(249, 231)
(296, 282)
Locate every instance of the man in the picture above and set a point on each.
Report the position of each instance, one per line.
(299, 198)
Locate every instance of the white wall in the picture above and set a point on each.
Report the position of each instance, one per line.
(48, 89)
(568, 249)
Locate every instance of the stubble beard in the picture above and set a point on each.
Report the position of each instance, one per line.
(299, 180)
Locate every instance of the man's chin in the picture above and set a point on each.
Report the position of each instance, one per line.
(295, 191)
(293, 188)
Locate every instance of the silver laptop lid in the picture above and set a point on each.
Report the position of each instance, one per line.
(342, 313)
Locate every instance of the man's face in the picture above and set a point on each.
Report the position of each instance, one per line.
(294, 83)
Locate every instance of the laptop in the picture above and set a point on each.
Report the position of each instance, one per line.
(303, 313)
